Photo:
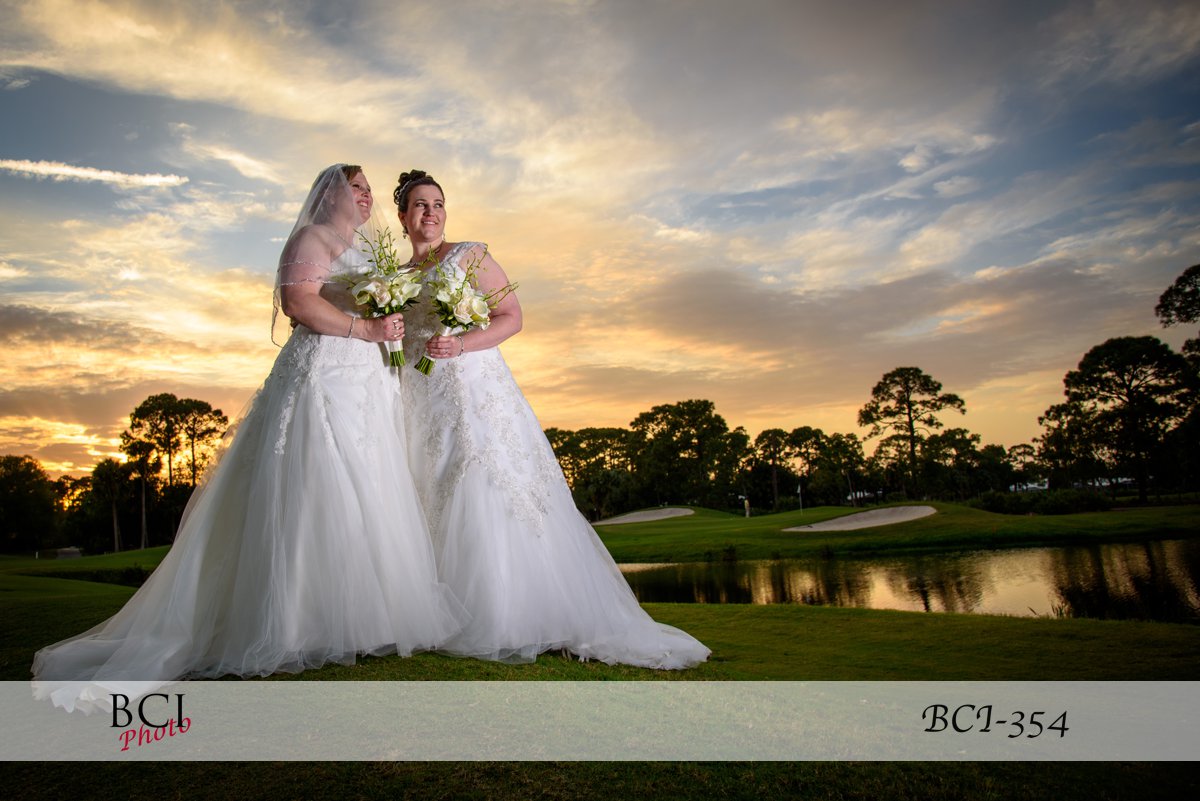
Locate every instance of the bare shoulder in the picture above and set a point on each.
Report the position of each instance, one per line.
(315, 234)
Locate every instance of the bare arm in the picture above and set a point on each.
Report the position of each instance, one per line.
(305, 269)
(505, 318)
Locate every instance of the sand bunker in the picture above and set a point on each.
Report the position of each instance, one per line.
(870, 518)
(644, 516)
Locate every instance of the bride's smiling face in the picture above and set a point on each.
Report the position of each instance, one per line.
(425, 217)
(351, 207)
(360, 191)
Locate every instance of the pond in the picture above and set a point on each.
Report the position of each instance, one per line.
(1157, 580)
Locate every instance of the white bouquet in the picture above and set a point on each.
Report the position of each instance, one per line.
(389, 286)
(458, 303)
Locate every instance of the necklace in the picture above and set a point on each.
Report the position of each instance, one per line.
(431, 254)
(417, 262)
(339, 236)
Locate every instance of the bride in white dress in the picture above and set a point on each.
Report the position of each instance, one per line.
(306, 543)
(510, 543)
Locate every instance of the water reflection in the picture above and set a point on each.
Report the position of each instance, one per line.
(1150, 581)
(1145, 581)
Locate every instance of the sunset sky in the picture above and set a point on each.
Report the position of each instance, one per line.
(764, 204)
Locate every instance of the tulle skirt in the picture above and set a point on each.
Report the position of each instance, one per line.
(510, 543)
(545, 587)
(305, 545)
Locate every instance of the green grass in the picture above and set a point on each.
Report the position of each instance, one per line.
(781, 642)
(708, 535)
(110, 561)
(551, 781)
(749, 643)
(129, 568)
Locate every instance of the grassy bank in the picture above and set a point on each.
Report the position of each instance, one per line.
(821, 781)
(707, 535)
(782, 642)
(748, 642)
(48, 600)
(711, 535)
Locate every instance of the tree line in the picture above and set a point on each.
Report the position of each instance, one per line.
(1130, 416)
(1130, 419)
(134, 503)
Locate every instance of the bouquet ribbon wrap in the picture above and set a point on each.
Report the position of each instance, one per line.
(395, 349)
(425, 365)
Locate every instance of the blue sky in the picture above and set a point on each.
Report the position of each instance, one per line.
(765, 204)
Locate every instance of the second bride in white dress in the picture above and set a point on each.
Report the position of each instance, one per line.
(510, 543)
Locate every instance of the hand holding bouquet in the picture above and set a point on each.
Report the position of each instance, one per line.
(459, 304)
(388, 287)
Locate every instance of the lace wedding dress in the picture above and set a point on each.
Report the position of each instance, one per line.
(305, 545)
(510, 543)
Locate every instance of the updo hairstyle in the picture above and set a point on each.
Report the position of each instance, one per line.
(410, 181)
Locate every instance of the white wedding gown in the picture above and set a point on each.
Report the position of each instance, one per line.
(510, 543)
(305, 545)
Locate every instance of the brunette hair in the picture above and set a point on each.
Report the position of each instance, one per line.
(408, 182)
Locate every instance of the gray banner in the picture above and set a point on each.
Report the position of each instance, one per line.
(654, 720)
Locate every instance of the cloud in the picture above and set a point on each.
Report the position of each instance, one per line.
(57, 171)
(1111, 42)
(918, 160)
(70, 379)
(7, 271)
(60, 447)
(840, 250)
(780, 357)
(767, 209)
(1032, 200)
(151, 296)
(12, 82)
(254, 58)
(957, 186)
(244, 164)
(829, 134)
(1153, 142)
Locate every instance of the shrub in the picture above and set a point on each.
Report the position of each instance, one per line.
(1053, 502)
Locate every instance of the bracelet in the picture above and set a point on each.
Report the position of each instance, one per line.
(462, 346)
(351, 331)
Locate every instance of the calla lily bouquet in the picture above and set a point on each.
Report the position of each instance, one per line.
(458, 303)
(387, 287)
